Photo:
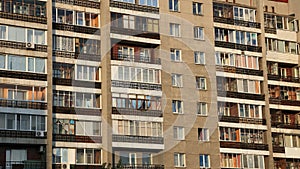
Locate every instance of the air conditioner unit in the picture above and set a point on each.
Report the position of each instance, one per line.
(39, 133)
(30, 45)
(64, 166)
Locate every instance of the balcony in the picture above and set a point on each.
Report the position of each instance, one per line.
(21, 134)
(22, 45)
(233, 119)
(27, 164)
(284, 78)
(23, 75)
(279, 124)
(79, 111)
(77, 83)
(136, 85)
(240, 145)
(23, 17)
(74, 138)
(133, 58)
(75, 28)
(231, 69)
(82, 166)
(138, 139)
(134, 7)
(133, 32)
(278, 149)
(83, 3)
(241, 95)
(238, 46)
(143, 166)
(81, 56)
(23, 104)
(130, 111)
(232, 21)
(284, 102)
(270, 30)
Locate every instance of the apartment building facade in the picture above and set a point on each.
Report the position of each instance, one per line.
(149, 84)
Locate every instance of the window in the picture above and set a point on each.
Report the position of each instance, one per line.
(87, 73)
(88, 128)
(145, 55)
(62, 43)
(201, 108)
(177, 80)
(128, 22)
(199, 57)
(201, 83)
(178, 133)
(175, 29)
(15, 156)
(231, 160)
(153, 3)
(88, 156)
(179, 159)
(60, 155)
(197, 8)
(174, 5)
(204, 161)
(175, 54)
(203, 134)
(127, 1)
(198, 33)
(177, 106)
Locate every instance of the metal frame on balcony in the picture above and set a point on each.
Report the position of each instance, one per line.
(241, 95)
(237, 70)
(279, 124)
(136, 85)
(233, 119)
(232, 21)
(74, 138)
(143, 166)
(278, 149)
(241, 145)
(238, 46)
(21, 134)
(133, 58)
(22, 45)
(270, 30)
(26, 164)
(83, 3)
(284, 78)
(134, 112)
(133, 32)
(23, 17)
(284, 102)
(137, 139)
(23, 104)
(134, 7)
(76, 28)
(77, 83)
(81, 56)
(23, 75)
(75, 110)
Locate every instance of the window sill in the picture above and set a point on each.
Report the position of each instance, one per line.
(174, 11)
(199, 39)
(202, 115)
(175, 113)
(198, 14)
(201, 89)
(203, 64)
(177, 86)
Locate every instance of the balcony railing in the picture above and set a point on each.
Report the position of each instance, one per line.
(80, 56)
(233, 119)
(21, 134)
(75, 28)
(284, 78)
(279, 124)
(23, 17)
(134, 112)
(231, 69)
(82, 166)
(23, 75)
(23, 104)
(84, 3)
(285, 102)
(134, 7)
(240, 145)
(143, 166)
(232, 21)
(22, 45)
(79, 111)
(26, 164)
(77, 83)
(240, 95)
(238, 46)
(132, 58)
(270, 30)
(138, 139)
(278, 149)
(136, 85)
(133, 32)
(74, 138)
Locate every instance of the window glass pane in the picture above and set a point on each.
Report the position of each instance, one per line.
(2, 62)
(80, 156)
(16, 63)
(39, 65)
(2, 121)
(25, 122)
(30, 64)
(39, 37)
(3, 32)
(10, 121)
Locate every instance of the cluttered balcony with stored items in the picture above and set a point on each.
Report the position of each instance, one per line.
(285, 119)
(284, 95)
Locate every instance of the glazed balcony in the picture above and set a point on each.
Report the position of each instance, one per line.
(23, 104)
(78, 111)
(83, 3)
(134, 7)
(240, 95)
(74, 138)
(232, 21)
(240, 145)
(21, 134)
(134, 112)
(231, 69)
(136, 85)
(138, 139)
(23, 75)
(134, 32)
(77, 83)
(233, 119)
(238, 46)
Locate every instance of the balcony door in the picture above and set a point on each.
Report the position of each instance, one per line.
(15, 157)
